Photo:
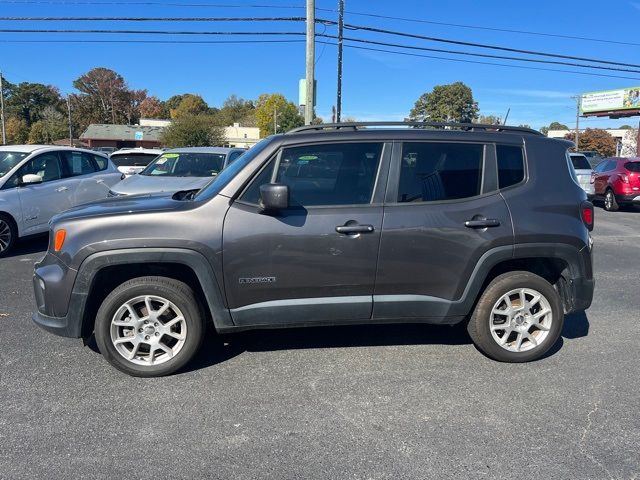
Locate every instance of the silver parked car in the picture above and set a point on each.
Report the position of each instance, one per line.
(38, 182)
(133, 160)
(178, 169)
(583, 171)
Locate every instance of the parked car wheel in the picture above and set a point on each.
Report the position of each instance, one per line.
(610, 202)
(8, 234)
(150, 326)
(518, 318)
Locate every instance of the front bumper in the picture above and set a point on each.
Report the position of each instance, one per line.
(60, 326)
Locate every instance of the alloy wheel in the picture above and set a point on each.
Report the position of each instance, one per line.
(5, 235)
(148, 330)
(608, 200)
(521, 320)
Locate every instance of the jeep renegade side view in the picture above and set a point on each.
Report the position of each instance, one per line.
(332, 225)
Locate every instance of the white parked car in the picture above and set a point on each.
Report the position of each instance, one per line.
(38, 182)
(583, 171)
(133, 160)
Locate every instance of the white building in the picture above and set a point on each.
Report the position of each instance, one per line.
(154, 122)
(241, 137)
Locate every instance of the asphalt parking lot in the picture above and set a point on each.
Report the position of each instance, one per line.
(369, 402)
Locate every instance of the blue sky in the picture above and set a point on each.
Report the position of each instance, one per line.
(376, 85)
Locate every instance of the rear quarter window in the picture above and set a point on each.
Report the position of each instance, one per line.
(510, 165)
(633, 166)
(580, 162)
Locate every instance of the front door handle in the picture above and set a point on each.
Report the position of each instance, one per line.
(482, 223)
(351, 229)
(62, 189)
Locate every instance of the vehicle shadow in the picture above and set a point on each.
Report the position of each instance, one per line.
(220, 348)
(29, 245)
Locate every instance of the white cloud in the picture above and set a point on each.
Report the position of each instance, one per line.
(532, 93)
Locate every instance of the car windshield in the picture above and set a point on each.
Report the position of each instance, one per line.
(211, 189)
(580, 162)
(9, 160)
(188, 164)
(132, 159)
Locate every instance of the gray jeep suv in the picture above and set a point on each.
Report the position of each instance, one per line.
(333, 225)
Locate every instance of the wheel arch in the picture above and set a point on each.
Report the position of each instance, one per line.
(100, 273)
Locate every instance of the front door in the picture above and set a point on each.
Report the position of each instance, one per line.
(443, 212)
(315, 261)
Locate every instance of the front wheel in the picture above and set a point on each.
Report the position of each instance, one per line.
(150, 326)
(518, 318)
(8, 234)
(610, 202)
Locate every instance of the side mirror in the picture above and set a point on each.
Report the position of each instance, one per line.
(274, 197)
(30, 179)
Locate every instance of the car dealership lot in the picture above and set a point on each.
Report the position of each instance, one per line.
(408, 401)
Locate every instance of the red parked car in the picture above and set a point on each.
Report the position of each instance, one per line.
(617, 182)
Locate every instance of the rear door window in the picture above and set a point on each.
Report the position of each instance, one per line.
(77, 163)
(440, 171)
(580, 162)
(510, 165)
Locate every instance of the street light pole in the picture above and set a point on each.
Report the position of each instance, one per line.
(340, 36)
(69, 118)
(4, 133)
(310, 60)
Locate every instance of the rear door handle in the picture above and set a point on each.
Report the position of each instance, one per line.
(62, 189)
(350, 229)
(486, 223)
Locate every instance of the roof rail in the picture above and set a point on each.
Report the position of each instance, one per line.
(434, 125)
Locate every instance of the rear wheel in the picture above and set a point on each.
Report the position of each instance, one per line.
(8, 234)
(610, 202)
(518, 318)
(150, 326)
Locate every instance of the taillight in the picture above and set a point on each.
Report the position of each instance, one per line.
(623, 177)
(586, 213)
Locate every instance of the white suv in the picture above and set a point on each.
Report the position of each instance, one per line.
(37, 182)
(133, 160)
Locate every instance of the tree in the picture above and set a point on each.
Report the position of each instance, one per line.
(286, 113)
(490, 120)
(193, 131)
(104, 97)
(595, 139)
(190, 105)
(626, 127)
(237, 110)
(17, 131)
(446, 103)
(27, 100)
(47, 131)
(524, 125)
(544, 130)
(630, 143)
(152, 107)
(557, 126)
(173, 102)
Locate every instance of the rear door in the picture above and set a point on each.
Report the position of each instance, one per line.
(602, 173)
(88, 181)
(295, 266)
(443, 211)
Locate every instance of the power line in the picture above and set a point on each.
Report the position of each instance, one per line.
(484, 55)
(159, 4)
(188, 42)
(482, 45)
(482, 63)
(153, 19)
(145, 32)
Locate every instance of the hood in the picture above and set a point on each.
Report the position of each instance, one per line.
(137, 184)
(129, 205)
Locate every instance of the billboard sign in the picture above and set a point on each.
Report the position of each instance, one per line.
(610, 101)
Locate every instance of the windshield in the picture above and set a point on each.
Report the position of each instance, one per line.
(214, 186)
(8, 160)
(189, 164)
(580, 162)
(132, 159)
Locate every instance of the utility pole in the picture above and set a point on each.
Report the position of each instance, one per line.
(4, 133)
(311, 59)
(69, 117)
(577, 122)
(340, 35)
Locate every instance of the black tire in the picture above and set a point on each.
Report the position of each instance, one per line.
(176, 292)
(610, 202)
(480, 322)
(6, 222)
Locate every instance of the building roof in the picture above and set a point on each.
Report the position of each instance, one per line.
(122, 132)
(220, 150)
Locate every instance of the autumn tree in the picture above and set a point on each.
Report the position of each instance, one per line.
(190, 105)
(237, 110)
(26, 101)
(17, 131)
(446, 103)
(152, 107)
(286, 114)
(193, 131)
(595, 139)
